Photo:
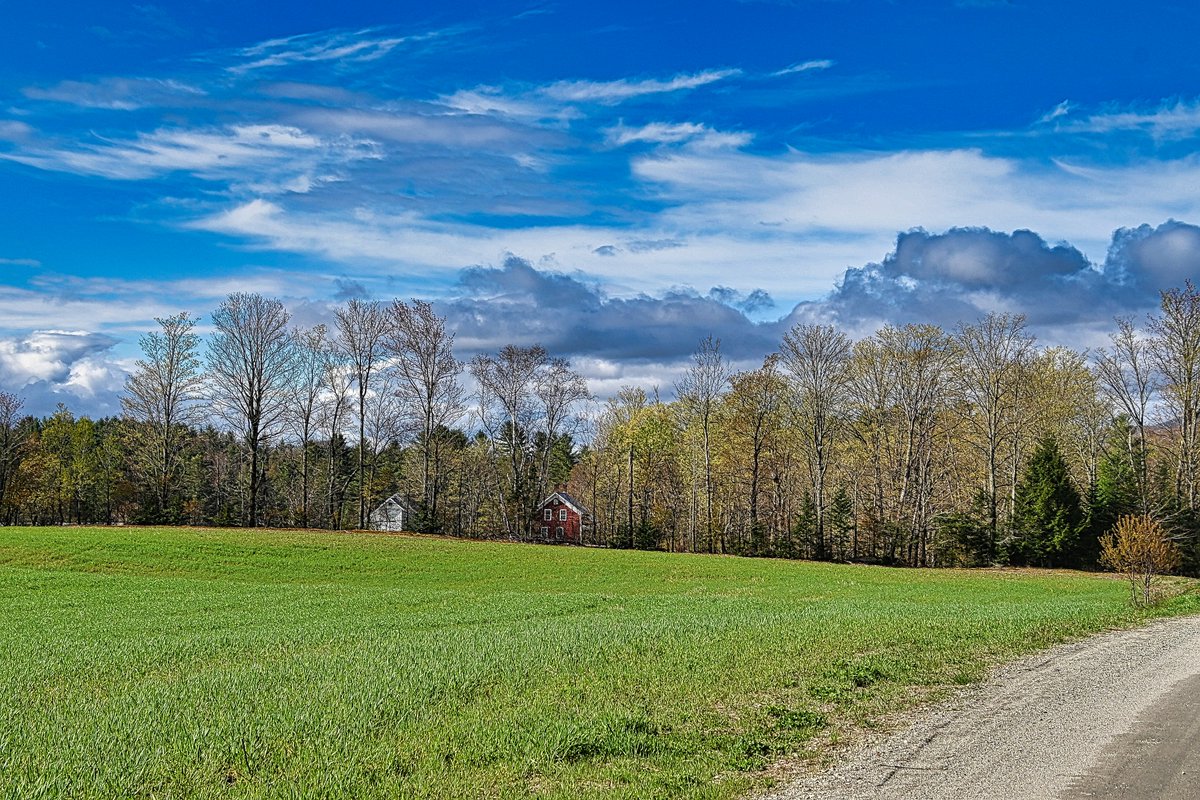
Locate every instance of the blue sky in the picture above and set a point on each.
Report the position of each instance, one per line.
(660, 171)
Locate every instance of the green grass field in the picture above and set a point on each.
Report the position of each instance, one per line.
(169, 663)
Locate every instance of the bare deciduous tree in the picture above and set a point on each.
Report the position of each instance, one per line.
(362, 326)
(10, 441)
(924, 357)
(312, 356)
(559, 389)
(250, 366)
(508, 413)
(699, 390)
(754, 410)
(334, 408)
(427, 381)
(160, 395)
(1175, 348)
(1127, 378)
(817, 358)
(993, 353)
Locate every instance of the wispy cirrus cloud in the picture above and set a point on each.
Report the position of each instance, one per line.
(560, 101)
(213, 154)
(617, 91)
(1170, 121)
(674, 133)
(815, 65)
(118, 94)
(369, 44)
(15, 131)
(1061, 110)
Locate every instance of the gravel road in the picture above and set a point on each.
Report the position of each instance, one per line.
(1113, 716)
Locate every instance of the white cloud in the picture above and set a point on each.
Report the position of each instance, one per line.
(356, 46)
(555, 102)
(1170, 121)
(611, 92)
(12, 130)
(675, 132)
(493, 100)
(805, 66)
(1061, 110)
(405, 127)
(231, 153)
(48, 355)
(117, 94)
(876, 195)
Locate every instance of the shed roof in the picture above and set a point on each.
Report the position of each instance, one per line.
(394, 500)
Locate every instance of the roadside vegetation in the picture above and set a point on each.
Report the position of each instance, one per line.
(181, 663)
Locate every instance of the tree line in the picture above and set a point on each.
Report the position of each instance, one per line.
(916, 445)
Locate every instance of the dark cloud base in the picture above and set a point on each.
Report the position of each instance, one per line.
(963, 274)
(948, 278)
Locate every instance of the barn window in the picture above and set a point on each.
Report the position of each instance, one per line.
(549, 514)
(558, 532)
(545, 531)
(562, 515)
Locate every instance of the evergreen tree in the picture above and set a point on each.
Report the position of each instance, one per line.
(1114, 495)
(965, 536)
(1048, 515)
(841, 526)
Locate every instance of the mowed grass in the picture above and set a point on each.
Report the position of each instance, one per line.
(173, 663)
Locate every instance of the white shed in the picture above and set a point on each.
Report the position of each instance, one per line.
(391, 515)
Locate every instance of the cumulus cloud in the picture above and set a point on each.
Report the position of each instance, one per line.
(1155, 258)
(756, 300)
(964, 273)
(346, 289)
(53, 366)
(516, 303)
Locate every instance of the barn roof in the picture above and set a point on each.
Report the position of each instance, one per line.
(579, 507)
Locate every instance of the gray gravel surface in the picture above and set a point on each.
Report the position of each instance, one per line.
(1112, 716)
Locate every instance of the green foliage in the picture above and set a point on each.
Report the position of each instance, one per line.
(193, 663)
(1116, 491)
(1047, 515)
(965, 535)
(646, 536)
(841, 525)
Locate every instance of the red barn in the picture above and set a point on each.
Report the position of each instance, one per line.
(561, 518)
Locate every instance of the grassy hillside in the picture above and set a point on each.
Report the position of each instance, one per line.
(200, 663)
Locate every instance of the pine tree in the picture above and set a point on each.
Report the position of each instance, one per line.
(1048, 515)
(1114, 495)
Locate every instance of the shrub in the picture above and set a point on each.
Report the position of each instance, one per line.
(1138, 548)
